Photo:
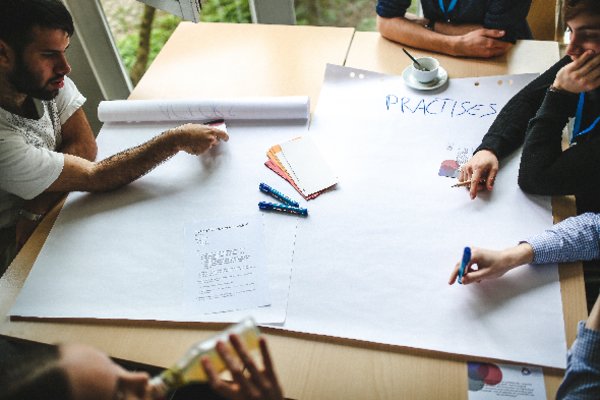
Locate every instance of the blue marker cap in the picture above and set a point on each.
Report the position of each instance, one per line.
(463, 264)
(265, 205)
(278, 195)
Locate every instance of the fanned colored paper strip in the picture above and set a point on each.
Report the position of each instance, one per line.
(273, 166)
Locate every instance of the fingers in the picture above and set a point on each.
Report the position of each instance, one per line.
(248, 362)
(489, 183)
(583, 59)
(454, 274)
(222, 388)
(236, 370)
(589, 72)
(265, 381)
(463, 174)
(491, 46)
(494, 33)
(269, 370)
(258, 385)
(482, 169)
(581, 75)
(469, 173)
(221, 135)
(204, 131)
(474, 275)
(475, 186)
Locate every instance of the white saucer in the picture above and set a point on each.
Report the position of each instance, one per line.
(439, 81)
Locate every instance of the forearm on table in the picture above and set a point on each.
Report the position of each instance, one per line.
(409, 33)
(129, 165)
(518, 255)
(446, 28)
(117, 170)
(574, 239)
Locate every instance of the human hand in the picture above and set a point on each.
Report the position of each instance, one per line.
(483, 166)
(259, 384)
(492, 264)
(482, 43)
(581, 75)
(197, 138)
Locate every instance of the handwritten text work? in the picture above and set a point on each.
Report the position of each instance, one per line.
(437, 106)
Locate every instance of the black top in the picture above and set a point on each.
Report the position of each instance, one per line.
(508, 15)
(535, 117)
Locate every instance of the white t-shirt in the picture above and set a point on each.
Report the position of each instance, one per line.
(29, 162)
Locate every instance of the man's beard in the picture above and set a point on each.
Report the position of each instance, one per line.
(24, 81)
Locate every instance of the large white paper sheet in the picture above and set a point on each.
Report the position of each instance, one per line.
(373, 260)
(120, 255)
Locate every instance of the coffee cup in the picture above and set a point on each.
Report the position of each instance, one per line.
(427, 71)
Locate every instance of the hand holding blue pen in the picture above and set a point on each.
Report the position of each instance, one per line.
(480, 264)
(466, 258)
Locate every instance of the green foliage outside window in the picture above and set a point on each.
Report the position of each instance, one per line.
(162, 28)
(225, 11)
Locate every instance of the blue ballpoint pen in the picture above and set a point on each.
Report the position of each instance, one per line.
(463, 264)
(278, 195)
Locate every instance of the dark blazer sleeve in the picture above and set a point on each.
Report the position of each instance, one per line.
(508, 15)
(507, 132)
(392, 8)
(547, 169)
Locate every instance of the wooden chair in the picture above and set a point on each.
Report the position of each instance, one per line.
(542, 19)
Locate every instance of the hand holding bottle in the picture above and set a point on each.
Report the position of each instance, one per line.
(249, 382)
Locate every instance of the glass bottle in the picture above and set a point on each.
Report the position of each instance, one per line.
(189, 370)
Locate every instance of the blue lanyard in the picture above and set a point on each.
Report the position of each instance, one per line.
(450, 8)
(578, 114)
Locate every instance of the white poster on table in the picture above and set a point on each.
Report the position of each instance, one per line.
(374, 260)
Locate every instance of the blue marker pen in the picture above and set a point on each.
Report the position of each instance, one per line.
(265, 205)
(278, 195)
(463, 264)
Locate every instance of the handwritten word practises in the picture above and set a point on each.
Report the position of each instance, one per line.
(440, 106)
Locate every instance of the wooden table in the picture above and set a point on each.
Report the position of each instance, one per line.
(288, 60)
(372, 52)
(243, 60)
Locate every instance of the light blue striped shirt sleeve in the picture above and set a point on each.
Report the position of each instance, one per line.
(582, 378)
(574, 239)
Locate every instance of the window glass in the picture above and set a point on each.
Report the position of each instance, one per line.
(131, 20)
(359, 14)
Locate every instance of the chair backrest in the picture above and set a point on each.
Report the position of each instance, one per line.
(542, 19)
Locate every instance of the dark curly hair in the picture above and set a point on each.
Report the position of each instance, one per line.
(19, 17)
(34, 375)
(572, 8)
